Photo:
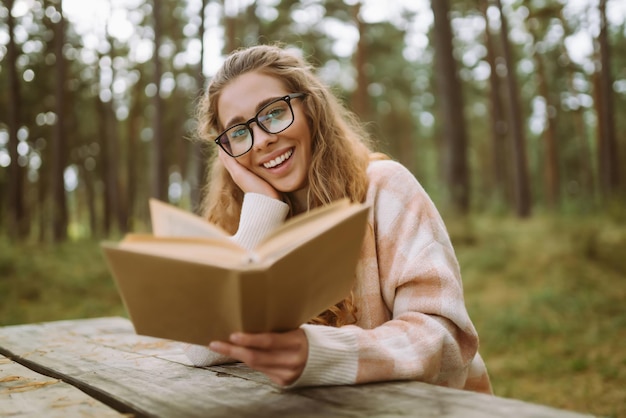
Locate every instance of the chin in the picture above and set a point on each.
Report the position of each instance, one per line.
(287, 186)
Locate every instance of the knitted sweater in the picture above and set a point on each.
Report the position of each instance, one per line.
(412, 323)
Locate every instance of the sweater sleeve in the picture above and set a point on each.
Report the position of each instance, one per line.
(260, 215)
(413, 273)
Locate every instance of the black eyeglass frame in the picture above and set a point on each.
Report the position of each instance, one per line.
(288, 98)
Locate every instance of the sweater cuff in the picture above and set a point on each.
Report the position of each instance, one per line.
(201, 356)
(260, 215)
(332, 358)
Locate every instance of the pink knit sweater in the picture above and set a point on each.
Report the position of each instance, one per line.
(412, 321)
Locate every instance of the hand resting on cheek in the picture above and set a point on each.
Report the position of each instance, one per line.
(247, 181)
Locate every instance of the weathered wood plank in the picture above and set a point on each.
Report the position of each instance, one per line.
(105, 359)
(24, 392)
(152, 377)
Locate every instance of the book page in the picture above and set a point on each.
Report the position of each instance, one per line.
(305, 227)
(197, 250)
(169, 221)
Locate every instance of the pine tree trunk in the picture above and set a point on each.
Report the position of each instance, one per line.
(607, 144)
(59, 148)
(117, 197)
(585, 155)
(499, 126)
(550, 161)
(159, 177)
(522, 186)
(450, 97)
(360, 99)
(133, 158)
(17, 222)
(198, 164)
(105, 163)
(230, 28)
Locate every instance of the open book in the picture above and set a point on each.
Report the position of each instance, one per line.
(188, 281)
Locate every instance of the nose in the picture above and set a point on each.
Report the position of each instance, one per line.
(262, 139)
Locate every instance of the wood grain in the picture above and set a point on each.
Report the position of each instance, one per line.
(146, 376)
(25, 392)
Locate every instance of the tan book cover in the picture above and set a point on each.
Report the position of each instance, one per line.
(188, 281)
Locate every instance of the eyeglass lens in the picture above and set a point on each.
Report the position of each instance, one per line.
(273, 118)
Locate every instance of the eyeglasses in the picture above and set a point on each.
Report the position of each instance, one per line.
(274, 117)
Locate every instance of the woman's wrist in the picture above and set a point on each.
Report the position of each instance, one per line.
(260, 215)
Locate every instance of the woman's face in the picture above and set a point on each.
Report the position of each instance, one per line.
(281, 159)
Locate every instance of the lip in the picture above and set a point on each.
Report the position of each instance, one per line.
(274, 155)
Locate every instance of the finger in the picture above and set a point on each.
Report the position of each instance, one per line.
(250, 356)
(245, 178)
(282, 367)
(221, 155)
(221, 347)
(270, 341)
(226, 160)
(264, 341)
(260, 359)
(282, 377)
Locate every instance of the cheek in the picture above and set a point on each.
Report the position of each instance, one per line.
(246, 160)
(304, 133)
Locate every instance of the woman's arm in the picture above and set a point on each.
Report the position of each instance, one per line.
(260, 215)
(411, 275)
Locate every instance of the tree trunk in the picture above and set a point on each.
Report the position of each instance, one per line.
(499, 125)
(158, 168)
(585, 154)
(230, 28)
(522, 187)
(90, 195)
(551, 161)
(451, 107)
(105, 162)
(59, 148)
(197, 162)
(607, 144)
(17, 222)
(43, 185)
(132, 161)
(113, 180)
(360, 99)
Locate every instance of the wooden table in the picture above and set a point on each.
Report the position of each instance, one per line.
(101, 368)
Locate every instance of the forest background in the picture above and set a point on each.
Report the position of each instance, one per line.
(508, 112)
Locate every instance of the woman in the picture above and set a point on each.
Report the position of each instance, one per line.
(286, 145)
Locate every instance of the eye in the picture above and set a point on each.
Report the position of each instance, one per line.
(276, 111)
(238, 133)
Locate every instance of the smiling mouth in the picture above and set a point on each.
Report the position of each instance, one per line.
(279, 160)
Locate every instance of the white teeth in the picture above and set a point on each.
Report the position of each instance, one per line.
(278, 160)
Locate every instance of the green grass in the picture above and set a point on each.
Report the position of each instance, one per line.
(547, 295)
(548, 299)
(53, 282)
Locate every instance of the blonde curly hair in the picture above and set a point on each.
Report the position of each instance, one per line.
(341, 149)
